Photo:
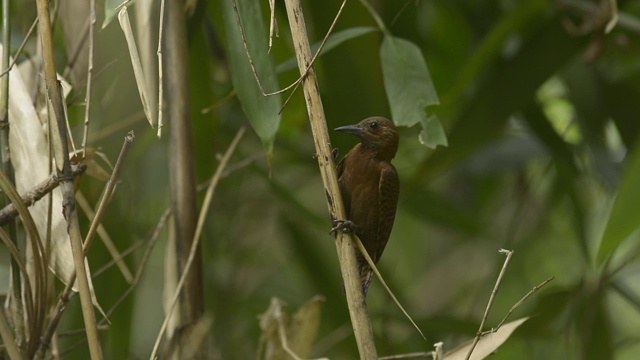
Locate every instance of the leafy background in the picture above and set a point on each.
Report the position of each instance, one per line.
(537, 103)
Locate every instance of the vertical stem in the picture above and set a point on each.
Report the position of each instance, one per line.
(7, 168)
(61, 152)
(181, 170)
(5, 335)
(87, 106)
(344, 243)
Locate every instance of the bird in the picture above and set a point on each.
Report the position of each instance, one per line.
(369, 186)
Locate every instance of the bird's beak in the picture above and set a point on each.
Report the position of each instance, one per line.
(350, 129)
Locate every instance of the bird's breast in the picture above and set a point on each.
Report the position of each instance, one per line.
(359, 185)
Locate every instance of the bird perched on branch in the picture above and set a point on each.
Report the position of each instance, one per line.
(370, 186)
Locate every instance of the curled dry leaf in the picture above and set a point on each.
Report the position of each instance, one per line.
(285, 337)
(487, 344)
(30, 158)
(94, 168)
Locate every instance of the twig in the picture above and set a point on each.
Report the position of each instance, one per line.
(364, 252)
(402, 9)
(219, 103)
(76, 332)
(160, 77)
(66, 293)
(87, 102)
(151, 242)
(491, 299)
(376, 17)
(153, 239)
(82, 201)
(233, 168)
(108, 191)
(273, 24)
(96, 273)
(623, 19)
(309, 65)
(9, 212)
(516, 305)
(415, 355)
(196, 237)
(24, 42)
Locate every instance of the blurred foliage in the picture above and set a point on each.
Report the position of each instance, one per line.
(539, 106)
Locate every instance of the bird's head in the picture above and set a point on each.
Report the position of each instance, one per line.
(376, 133)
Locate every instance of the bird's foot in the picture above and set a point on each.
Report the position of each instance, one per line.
(335, 153)
(342, 225)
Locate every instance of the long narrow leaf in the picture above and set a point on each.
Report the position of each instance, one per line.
(624, 219)
(262, 111)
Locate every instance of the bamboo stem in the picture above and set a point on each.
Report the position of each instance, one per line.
(61, 152)
(344, 242)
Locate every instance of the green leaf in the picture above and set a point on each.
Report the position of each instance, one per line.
(410, 89)
(333, 41)
(432, 133)
(624, 219)
(262, 111)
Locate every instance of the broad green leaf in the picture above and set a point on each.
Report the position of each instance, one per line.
(410, 89)
(432, 133)
(624, 219)
(261, 110)
(333, 41)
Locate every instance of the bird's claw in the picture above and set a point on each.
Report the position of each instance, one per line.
(335, 153)
(347, 226)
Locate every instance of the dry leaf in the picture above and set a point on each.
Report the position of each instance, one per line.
(487, 344)
(285, 338)
(30, 158)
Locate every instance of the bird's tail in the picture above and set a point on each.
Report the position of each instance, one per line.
(365, 276)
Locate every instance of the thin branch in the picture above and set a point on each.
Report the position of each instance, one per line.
(364, 252)
(108, 191)
(9, 212)
(153, 239)
(414, 355)
(196, 237)
(376, 17)
(96, 273)
(87, 102)
(151, 242)
(310, 64)
(491, 299)
(625, 20)
(160, 76)
(82, 201)
(67, 292)
(24, 42)
(524, 298)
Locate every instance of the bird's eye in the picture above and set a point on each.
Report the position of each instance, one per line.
(373, 125)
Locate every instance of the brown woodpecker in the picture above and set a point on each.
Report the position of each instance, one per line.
(370, 186)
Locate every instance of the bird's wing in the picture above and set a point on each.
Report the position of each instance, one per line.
(340, 167)
(389, 188)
